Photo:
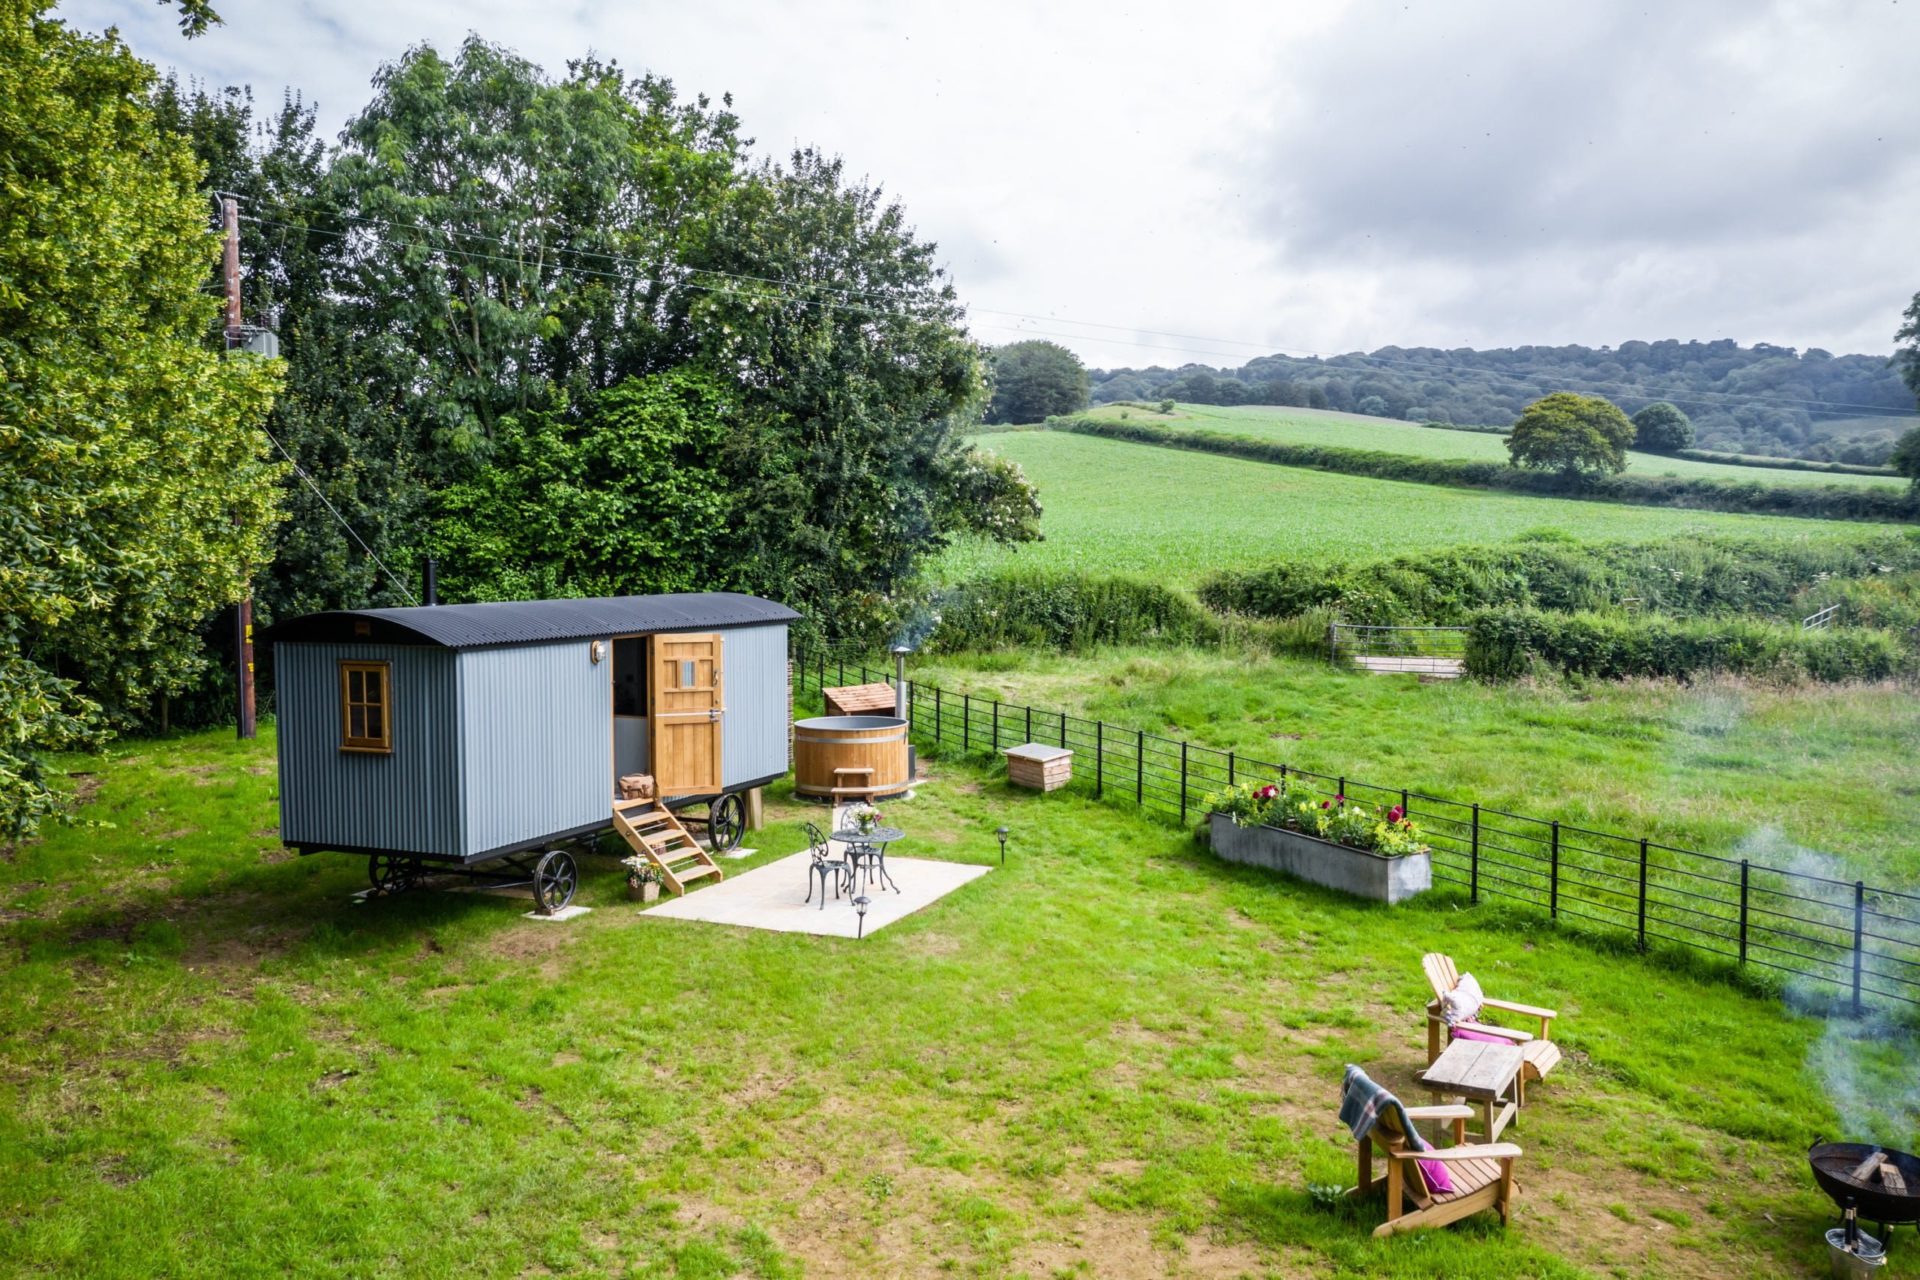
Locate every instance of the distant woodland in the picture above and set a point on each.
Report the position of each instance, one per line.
(1761, 399)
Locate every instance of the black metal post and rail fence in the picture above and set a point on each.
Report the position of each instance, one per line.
(1855, 943)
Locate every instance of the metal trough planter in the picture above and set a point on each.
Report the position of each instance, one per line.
(1336, 866)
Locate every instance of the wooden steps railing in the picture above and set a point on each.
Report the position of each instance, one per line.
(652, 831)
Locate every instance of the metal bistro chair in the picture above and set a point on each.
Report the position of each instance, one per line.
(825, 862)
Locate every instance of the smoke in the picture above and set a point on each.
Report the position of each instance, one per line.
(918, 622)
(1865, 1064)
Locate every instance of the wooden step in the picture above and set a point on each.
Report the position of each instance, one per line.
(655, 833)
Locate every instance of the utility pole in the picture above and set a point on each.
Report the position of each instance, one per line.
(243, 613)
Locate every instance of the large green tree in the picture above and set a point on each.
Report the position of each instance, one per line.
(1662, 428)
(567, 335)
(531, 243)
(856, 381)
(1578, 436)
(1034, 380)
(134, 492)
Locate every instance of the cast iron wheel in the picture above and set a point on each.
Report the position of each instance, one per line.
(389, 873)
(726, 822)
(554, 880)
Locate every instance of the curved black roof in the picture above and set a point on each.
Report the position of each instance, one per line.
(472, 626)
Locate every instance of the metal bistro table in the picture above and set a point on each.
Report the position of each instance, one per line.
(864, 845)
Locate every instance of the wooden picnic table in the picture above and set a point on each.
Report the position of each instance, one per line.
(1481, 1072)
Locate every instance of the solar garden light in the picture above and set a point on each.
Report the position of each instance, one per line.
(1002, 833)
(860, 904)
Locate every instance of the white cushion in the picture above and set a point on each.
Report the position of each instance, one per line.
(1462, 1004)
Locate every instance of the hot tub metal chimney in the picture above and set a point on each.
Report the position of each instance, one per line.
(900, 653)
(429, 582)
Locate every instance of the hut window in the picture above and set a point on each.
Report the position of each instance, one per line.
(366, 713)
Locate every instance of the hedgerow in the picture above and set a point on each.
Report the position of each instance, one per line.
(1766, 577)
(1067, 611)
(1503, 643)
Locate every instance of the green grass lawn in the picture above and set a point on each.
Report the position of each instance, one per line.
(1116, 1056)
(1112, 506)
(1734, 768)
(1355, 431)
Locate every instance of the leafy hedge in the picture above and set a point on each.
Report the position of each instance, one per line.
(1697, 576)
(1067, 611)
(1783, 464)
(1502, 643)
(1823, 502)
(1888, 601)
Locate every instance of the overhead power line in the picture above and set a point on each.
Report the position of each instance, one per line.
(301, 471)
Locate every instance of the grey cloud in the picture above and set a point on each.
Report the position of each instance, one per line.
(1488, 130)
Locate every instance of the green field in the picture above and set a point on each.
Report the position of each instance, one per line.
(1116, 507)
(1386, 435)
(1116, 1056)
(1736, 768)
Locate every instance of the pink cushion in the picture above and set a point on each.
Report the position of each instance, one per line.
(1461, 1033)
(1438, 1181)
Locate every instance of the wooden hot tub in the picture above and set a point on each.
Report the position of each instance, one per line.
(826, 743)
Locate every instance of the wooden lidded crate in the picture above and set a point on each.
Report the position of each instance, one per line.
(1039, 767)
(860, 700)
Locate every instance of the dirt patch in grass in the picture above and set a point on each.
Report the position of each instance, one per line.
(535, 944)
(85, 787)
(1572, 1214)
(932, 944)
(761, 1086)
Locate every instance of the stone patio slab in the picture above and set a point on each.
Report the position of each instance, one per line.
(773, 897)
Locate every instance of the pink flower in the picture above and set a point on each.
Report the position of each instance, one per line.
(1268, 792)
(1395, 814)
(1326, 804)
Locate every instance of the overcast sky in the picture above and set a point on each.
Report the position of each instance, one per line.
(1262, 177)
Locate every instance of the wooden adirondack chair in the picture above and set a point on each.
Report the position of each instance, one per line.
(1482, 1174)
(1541, 1054)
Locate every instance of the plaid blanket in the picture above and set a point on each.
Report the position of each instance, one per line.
(1363, 1102)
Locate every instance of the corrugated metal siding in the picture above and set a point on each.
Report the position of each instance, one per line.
(407, 800)
(537, 728)
(632, 745)
(753, 738)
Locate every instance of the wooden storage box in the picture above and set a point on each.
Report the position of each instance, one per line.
(1039, 768)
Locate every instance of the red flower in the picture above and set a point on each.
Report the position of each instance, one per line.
(1268, 792)
(1395, 814)
(1326, 804)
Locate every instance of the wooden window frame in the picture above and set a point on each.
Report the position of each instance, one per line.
(367, 743)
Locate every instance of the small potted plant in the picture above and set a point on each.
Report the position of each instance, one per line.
(643, 879)
(865, 818)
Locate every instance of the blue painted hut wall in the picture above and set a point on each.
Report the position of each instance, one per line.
(407, 800)
(753, 737)
(535, 725)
